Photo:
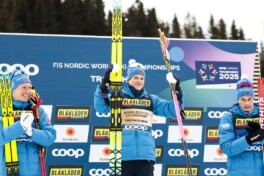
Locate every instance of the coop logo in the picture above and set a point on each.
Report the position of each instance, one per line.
(102, 115)
(68, 152)
(178, 152)
(215, 171)
(255, 148)
(216, 114)
(156, 133)
(30, 69)
(99, 172)
(136, 127)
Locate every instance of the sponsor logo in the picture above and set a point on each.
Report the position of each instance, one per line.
(181, 170)
(193, 115)
(212, 134)
(99, 153)
(100, 134)
(178, 152)
(136, 102)
(241, 122)
(102, 115)
(156, 133)
(68, 170)
(99, 172)
(68, 152)
(72, 133)
(212, 153)
(72, 114)
(30, 69)
(135, 127)
(216, 114)
(159, 153)
(215, 171)
(255, 148)
(193, 134)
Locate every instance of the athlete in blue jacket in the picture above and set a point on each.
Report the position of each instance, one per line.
(138, 107)
(24, 130)
(241, 136)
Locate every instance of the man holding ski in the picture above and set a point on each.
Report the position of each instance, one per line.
(240, 134)
(138, 108)
(24, 128)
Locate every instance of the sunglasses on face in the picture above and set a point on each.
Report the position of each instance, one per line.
(244, 84)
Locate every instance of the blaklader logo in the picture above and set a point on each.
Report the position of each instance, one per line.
(72, 114)
(66, 170)
(100, 134)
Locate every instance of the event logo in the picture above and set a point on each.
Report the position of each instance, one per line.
(68, 152)
(72, 114)
(70, 131)
(100, 134)
(69, 170)
(99, 172)
(182, 170)
(208, 72)
(215, 171)
(30, 69)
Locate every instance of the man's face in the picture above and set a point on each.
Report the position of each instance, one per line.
(22, 92)
(137, 81)
(246, 103)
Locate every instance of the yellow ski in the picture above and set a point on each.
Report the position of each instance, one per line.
(116, 93)
(8, 119)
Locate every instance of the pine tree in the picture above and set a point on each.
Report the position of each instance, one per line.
(176, 29)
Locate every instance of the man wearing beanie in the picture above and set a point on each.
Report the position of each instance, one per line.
(240, 134)
(25, 130)
(138, 108)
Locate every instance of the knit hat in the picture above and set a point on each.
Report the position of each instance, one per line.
(244, 87)
(18, 77)
(135, 68)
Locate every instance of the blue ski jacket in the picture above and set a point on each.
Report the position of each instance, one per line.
(27, 147)
(137, 140)
(242, 159)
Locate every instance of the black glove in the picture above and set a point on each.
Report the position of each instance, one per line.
(104, 86)
(252, 126)
(255, 136)
(178, 88)
(183, 115)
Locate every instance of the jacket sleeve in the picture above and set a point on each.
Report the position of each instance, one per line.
(227, 140)
(46, 135)
(99, 102)
(163, 107)
(10, 133)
